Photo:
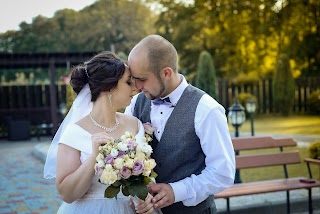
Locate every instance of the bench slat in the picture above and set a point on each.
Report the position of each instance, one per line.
(251, 143)
(266, 187)
(262, 160)
(276, 157)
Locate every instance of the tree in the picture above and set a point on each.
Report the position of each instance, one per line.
(283, 86)
(206, 78)
(104, 25)
(244, 37)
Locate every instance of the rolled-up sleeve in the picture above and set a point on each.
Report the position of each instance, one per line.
(212, 129)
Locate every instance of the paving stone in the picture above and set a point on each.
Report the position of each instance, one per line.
(23, 188)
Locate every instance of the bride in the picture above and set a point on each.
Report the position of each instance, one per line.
(103, 86)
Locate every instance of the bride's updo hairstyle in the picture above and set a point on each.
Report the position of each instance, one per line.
(102, 72)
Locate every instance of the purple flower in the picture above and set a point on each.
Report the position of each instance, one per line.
(138, 168)
(109, 160)
(131, 144)
(148, 128)
(125, 173)
(121, 154)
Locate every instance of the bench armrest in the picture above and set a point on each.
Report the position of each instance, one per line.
(311, 161)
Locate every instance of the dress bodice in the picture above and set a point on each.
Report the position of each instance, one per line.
(78, 138)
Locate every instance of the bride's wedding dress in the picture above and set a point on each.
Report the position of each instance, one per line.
(93, 201)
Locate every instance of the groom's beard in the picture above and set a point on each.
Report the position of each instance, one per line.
(161, 91)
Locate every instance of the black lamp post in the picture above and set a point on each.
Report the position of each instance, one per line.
(236, 118)
(251, 108)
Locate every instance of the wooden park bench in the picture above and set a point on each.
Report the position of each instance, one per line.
(268, 158)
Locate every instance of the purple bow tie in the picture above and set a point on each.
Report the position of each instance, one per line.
(165, 101)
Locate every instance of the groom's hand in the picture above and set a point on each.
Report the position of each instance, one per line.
(163, 195)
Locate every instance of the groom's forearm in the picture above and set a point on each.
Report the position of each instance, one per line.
(195, 189)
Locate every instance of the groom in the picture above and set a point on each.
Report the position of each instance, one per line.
(192, 145)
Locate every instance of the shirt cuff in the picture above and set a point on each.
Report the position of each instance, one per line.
(180, 191)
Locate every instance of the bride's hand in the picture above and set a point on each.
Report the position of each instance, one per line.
(146, 206)
(99, 139)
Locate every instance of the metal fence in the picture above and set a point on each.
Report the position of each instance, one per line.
(262, 90)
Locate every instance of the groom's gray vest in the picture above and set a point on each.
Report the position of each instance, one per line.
(178, 154)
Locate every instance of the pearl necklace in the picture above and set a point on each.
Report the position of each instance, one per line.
(112, 129)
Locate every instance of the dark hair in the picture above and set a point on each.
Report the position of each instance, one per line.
(102, 72)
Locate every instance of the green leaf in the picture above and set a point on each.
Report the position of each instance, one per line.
(153, 174)
(139, 190)
(125, 182)
(125, 190)
(111, 192)
(116, 184)
(146, 180)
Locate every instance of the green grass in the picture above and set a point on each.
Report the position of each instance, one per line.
(293, 125)
(276, 172)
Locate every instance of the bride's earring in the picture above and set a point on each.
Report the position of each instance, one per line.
(110, 97)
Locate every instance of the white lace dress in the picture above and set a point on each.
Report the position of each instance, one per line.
(93, 201)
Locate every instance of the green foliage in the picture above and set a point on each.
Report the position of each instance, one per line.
(314, 150)
(283, 88)
(274, 172)
(123, 56)
(104, 25)
(134, 186)
(244, 37)
(111, 191)
(70, 97)
(206, 78)
(313, 102)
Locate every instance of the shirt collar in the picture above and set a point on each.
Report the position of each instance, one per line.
(176, 94)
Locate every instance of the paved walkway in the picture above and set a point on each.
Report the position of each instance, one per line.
(24, 190)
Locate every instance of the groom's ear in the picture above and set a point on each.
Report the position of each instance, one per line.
(167, 72)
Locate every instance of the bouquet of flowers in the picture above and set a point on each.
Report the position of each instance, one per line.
(126, 163)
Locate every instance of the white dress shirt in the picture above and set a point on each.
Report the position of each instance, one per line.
(212, 129)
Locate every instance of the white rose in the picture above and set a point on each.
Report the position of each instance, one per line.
(114, 152)
(129, 163)
(109, 147)
(149, 164)
(127, 134)
(132, 155)
(140, 156)
(146, 148)
(118, 163)
(146, 172)
(122, 146)
(99, 157)
(101, 163)
(108, 167)
(109, 176)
